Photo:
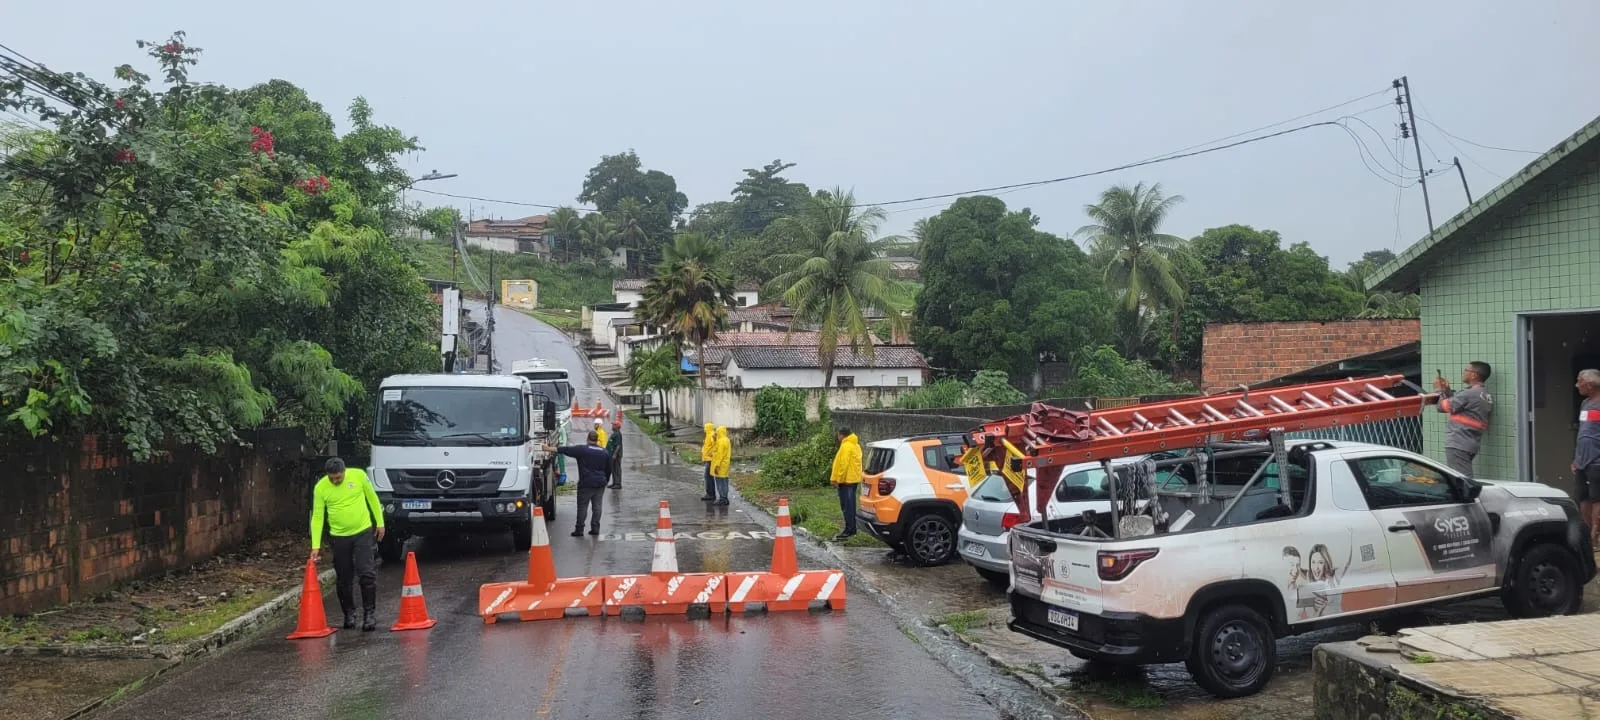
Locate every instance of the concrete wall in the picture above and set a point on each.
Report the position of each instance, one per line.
(79, 517)
(632, 297)
(497, 244)
(813, 377)
(737, 408)
(601, 325)
(745, 298)
(1234, 354)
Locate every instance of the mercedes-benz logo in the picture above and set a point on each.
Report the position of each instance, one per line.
(446, 479)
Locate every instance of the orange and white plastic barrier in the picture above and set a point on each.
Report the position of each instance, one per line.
(665, 590)
(543, 596)
(786, 587)
(598, 411)
(413, 608)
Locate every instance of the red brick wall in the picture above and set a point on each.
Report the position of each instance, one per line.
(1235, 354)
(78, 518)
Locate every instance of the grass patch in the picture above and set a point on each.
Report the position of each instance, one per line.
(1126, 693)
(1424, 659)
(961, 623)
(202, 621)
(563, 320)
(570, 488)
(21, 631)
(813, 508)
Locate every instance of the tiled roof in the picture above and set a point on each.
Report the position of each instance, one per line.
(731, 339)
(769, 357)
(531, 225)
(1509, 197)
(748, 286)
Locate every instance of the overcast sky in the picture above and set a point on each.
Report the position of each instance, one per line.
(904, 99)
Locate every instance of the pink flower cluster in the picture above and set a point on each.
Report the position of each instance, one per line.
(123, 156)
(315, 185)
(262, 142)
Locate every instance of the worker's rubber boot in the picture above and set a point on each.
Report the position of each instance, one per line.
(349, 619)
(368, 623)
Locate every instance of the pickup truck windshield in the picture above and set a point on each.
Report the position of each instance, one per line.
(448, 416)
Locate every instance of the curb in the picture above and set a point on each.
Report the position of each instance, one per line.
(178, 654)
(1014, 695)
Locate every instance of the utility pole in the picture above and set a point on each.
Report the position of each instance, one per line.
(1456, 161)
(1404, 86)
(489, 312)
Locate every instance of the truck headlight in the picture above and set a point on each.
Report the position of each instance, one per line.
(388, 509)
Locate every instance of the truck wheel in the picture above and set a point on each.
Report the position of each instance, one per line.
(392, 548)
(1546, 582)
(997, 580)
(522, 536)
(930, 539)
(1234, 652)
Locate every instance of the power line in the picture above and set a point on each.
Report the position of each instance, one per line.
(502, 202)
(1252, 131)
(1447, 133)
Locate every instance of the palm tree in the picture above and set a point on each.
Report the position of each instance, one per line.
(656, 370)
(1125, 237)
(629, 232)
(597, 232)
(837, 273)
(563, 224)
(689, 297)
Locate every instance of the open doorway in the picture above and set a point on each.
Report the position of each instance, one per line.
(1556, 348)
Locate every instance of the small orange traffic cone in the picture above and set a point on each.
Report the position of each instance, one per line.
(313, 621)
(541, 564)
(413, 609)
(784, 561)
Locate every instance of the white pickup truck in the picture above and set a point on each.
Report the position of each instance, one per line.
(1244, 544)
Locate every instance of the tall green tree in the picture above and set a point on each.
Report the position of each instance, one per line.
(1000, 294)
(689, 296)
(764, 195)
(598, 234)
(619, 177)
(1124, 237)
(835, 274)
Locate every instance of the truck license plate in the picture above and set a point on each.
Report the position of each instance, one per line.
(416, 504)
(1065, 618)
(975, 549)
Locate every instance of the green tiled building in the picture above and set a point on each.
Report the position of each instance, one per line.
(1514, 281)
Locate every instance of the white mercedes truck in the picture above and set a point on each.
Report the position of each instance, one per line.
(458, 453)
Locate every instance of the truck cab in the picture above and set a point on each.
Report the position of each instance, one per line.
(553, 384)
(454, 453)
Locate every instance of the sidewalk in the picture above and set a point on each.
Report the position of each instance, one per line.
(1545, 669)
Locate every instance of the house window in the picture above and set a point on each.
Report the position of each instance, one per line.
(903, 381)
(847, 381)
(743, 301)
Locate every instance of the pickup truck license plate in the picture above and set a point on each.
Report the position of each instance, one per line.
(416, 504)
(1065, 618)
(975, 549)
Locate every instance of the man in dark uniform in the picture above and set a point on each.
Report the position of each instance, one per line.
(614, 447)
(1586, 459)
(1469, 410)
(594, 465)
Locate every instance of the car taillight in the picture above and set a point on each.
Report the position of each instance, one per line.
(1012, 519)
(1116, 564)
(886, 486)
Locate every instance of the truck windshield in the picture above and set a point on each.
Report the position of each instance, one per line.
(557, 391)
(449, 416)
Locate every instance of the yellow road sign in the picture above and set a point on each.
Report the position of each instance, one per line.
(972, 462)
(1017, 478)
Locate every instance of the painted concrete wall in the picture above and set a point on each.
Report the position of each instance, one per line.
(497, 244)
(601, 328)
(812, 377)
(1546, 257)
(737, 408)
(632, 297)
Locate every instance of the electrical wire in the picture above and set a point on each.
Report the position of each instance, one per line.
(1448, 134)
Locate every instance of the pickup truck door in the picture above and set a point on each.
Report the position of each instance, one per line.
(1439, 543)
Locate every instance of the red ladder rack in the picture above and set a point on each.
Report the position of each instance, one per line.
(1050, 438)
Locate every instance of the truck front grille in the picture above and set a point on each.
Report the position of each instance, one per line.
(449, 482)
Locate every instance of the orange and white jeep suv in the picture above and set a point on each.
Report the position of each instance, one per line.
(912, 493)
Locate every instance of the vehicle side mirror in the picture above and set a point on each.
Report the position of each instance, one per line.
(1470, 490)
(550, 416)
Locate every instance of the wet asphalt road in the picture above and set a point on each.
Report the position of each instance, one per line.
(854, 664)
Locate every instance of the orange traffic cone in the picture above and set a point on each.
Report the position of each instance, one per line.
(784, 561)
(313, 621)
(413, 609)
(541, 564)
(664, 559)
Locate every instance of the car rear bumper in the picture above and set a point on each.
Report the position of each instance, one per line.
(887, 532)
(1123, 638)
(454, 514)
(984, 551)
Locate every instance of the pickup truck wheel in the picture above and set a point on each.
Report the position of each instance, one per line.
(931, 539)
(997, 580)
(1546, 583)
(1234, 652)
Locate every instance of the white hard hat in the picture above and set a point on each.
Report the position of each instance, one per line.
(598, 421)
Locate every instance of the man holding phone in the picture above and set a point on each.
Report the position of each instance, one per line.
(1469, 410)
